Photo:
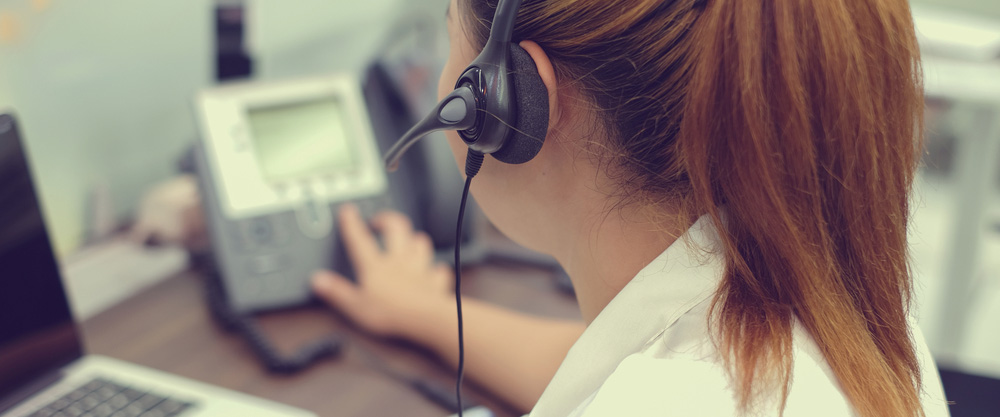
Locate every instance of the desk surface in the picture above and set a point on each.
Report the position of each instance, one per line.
(168, 327)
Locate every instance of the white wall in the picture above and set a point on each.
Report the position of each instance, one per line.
(306, 37)
(103, 91)
(984, 7)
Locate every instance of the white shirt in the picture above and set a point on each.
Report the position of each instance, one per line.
(649, 352)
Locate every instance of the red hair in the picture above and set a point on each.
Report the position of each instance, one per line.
(794, 124)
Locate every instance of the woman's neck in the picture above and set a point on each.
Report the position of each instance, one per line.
(601, 243)
(609, 247)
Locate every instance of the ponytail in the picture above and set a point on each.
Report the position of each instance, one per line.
(799, 135)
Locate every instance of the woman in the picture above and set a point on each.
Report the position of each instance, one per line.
(725, 181)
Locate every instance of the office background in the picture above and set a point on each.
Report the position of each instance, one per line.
(104, 90)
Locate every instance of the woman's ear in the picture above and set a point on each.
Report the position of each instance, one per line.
(548, 74)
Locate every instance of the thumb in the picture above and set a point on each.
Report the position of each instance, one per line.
(337, 291)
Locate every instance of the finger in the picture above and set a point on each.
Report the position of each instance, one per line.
(338, 292)
(423, 247)
(350, 300)
(443, 277)
(358, 239)
(396, 229)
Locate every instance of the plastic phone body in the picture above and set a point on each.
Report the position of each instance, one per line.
(275, 162)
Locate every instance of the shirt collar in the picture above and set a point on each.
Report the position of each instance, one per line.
(681, 277)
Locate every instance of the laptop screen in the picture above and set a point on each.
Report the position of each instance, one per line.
(37, 332)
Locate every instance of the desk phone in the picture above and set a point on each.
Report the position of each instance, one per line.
(275, 161)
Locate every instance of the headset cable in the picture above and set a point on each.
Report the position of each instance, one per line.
(473, 161)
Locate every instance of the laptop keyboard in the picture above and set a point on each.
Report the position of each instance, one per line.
(103, 398)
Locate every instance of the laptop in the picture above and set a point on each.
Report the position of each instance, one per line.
(43, 369)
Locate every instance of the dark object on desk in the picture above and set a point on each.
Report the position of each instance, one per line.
(263, 349)
(37, 335)
(440, 395)
(231, 58)
(445, 397)
(973, 395)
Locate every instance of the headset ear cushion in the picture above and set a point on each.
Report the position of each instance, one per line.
(532, 101)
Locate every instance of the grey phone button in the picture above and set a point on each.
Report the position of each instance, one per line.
(260, 230)
(250, 288)
(315, 219)
(279, 285)
(371, 206)
(267, 264)
(262, 233)
(240, 241)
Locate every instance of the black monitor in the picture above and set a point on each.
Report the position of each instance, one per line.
(37, 332)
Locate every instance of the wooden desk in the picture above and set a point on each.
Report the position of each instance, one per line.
(168, 327)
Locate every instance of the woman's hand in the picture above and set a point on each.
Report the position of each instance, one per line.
(394, 282)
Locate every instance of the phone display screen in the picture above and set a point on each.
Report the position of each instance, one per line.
(301, 140)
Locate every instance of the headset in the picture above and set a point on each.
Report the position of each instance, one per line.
(500, 107)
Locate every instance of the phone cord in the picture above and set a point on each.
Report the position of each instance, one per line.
(260, 344)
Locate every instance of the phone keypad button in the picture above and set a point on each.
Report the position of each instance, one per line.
(251, 287)
(260, 231)
(267, 264)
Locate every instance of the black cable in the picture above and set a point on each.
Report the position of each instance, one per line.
(438, 394)
(473, 161)
(261, 346)
(458, 295)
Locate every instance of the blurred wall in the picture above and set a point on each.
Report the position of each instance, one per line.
(985, 7)
(103, 90)
(306, 37)
(104, 87)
